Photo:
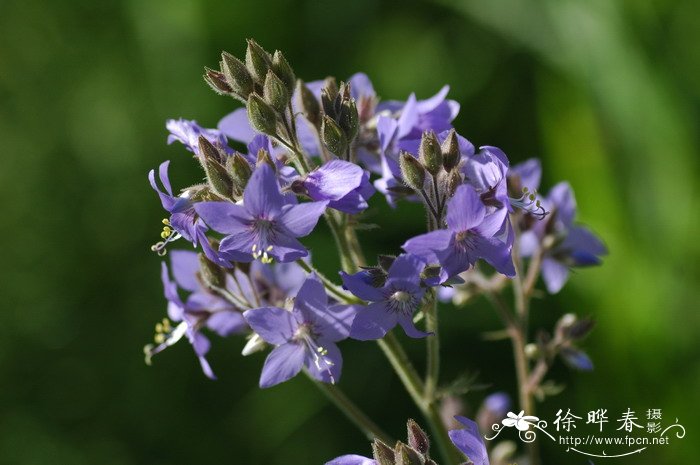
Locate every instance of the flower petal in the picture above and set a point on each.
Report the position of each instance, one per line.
(410, 329)
(351, 459)
(185, 266)
(360, 285)
(273, 324)
(283, 363)
(326, 364)
(465, 209)
(235, 126)
(224, 217)
(373, 322)
(555, 274)
(406, 267)
(425, 245)
(333, 180)
(301, 219)
(469, 441)
(262, 197)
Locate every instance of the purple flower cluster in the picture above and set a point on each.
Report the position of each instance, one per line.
(299, 152)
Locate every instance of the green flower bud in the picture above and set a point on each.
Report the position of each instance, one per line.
(329, 96)
(383, 454)
(237, 75)
(211, 274)
(412, 171)
(257, 60)
(240, 171)
(264, 156)
(348, 119)
(454, 180)
(217, 81)
(219, 180)
(450, 151)
(308, 104)
(429, 153)
(261, 115)
(334, 137)
(405, 455)
(281, 67)
(275, 92)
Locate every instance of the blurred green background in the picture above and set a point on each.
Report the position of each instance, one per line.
(606, 92)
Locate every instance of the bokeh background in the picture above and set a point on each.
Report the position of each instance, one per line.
(606, 92)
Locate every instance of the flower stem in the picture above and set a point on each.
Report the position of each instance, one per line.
(341, 240)
(352, 411)
(335, 290)
(432, 349)
(409, 377)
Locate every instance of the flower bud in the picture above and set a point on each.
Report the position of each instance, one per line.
(257, 60)
(217, 81)
(348, 119)
(580, 328)
(281, 67)
(333, 137)
(412, 171)
(329, 96)
(405, 455)
(240, 171)
(211, 274)
(417, 438)
(275, 92)
(385, 261)
(429, 153)
(254, 344)
(454, 180)
(383, 454)
(263, 156)
(219, 180)
(237, 75)
(261, 115)
(450, 151)
(308, 104)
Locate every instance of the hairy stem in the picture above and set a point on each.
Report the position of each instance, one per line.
(352, 411)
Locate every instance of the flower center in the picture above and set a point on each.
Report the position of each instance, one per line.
(401, 301)
(464, 241)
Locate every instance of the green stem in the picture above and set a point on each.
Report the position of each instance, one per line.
(352, 411)
(346, 261)
(330, 286)
(409, 377)
(432, 349)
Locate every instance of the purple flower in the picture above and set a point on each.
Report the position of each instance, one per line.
(486, 173)
(470, 235)
(399, 126)
(183, 218)
(187, 132)
(525, 175)
(566, 244)
(265, 226)
(352, 460)
(391, 304)
(200, 310)
(469, 441)
(345, 185)
(306, 336)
